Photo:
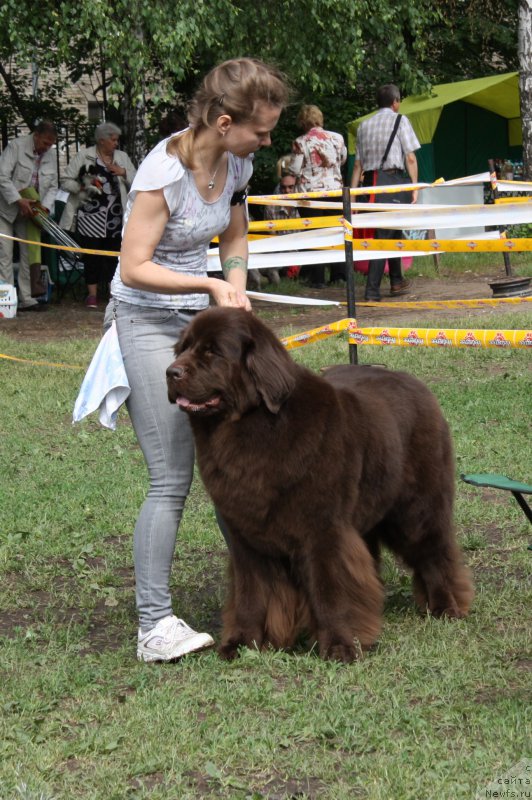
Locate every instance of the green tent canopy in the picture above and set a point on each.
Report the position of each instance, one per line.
(461, 125)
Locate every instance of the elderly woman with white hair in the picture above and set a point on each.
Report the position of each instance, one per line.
(98, 179)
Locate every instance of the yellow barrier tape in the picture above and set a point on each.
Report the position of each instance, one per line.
(443, 245)
(414, 337)
(39, 363)
(434, 305)
(403, 337)
(113, 253)
(361, 190)
(301, 339)
(434, 337)
(417, 245)
(502, 200)
(295, 224)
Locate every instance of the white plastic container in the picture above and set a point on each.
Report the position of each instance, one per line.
(8, 301)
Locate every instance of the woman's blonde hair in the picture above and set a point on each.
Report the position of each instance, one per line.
(309, 117)
(235, 88)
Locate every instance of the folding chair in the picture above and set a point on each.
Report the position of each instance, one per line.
(492, 481)
(67, 267)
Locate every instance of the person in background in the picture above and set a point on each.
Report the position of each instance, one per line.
(286, 185)
(283, 165)
(98, 179)
(318, 156)
(189, 189)
(377, 137)
(27, 166)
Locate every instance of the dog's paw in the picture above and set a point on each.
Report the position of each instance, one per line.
(229, 651)
(448, 612)
(346, 653)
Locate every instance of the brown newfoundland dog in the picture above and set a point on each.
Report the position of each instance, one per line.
(311, 476)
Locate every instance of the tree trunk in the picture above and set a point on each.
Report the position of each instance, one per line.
(19, 101)
(524, 51)
(134, 128)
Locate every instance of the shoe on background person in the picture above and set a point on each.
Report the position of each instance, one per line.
(34, 307)
(91, 301)
(171, 638)
(400, 288)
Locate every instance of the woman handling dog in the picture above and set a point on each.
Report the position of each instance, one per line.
(189, 189)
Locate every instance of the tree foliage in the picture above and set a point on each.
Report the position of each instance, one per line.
(148, 57)
(525, 81)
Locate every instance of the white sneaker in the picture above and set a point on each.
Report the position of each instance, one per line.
(171, 638)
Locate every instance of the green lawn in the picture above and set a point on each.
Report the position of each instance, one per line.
(438, 710)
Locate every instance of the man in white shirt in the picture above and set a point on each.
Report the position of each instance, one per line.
(373, 137)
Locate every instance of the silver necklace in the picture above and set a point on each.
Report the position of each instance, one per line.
(106, 160)
(212, 175)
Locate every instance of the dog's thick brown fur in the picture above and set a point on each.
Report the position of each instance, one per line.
(311, 476)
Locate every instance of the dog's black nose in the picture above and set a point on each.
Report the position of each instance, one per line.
(175, 371)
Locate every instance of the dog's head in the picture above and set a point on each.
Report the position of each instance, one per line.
(228, 362)
(91, 184)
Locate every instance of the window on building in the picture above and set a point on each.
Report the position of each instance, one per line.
(94, 111)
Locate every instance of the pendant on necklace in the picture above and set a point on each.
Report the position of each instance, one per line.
(210, 185)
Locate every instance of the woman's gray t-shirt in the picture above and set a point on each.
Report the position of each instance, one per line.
(192, 225)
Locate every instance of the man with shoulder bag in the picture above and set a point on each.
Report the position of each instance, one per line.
(386, 145)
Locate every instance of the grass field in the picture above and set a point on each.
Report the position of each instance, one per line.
(438, 710)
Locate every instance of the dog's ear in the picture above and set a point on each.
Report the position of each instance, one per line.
(270, 367)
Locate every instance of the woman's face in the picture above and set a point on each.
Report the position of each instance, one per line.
(244, 138)
(109, 144)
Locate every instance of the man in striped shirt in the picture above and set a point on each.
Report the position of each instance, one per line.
(373, 136)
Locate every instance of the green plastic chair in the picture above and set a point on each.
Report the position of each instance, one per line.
(493, 481)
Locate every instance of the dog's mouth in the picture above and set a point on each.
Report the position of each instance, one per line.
(192, 407)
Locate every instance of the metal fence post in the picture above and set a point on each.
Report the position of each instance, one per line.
(349, 274)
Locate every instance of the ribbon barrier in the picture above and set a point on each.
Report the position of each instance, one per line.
(403, 337)
(315, 335)
(435, 337)
(414, 337)
(67, 248)
(328, 239)
(39, 363)
(324, 234)
(426, 246)
(470, 180)
(437, 305)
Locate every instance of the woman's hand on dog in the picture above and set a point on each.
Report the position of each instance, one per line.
(224, 294)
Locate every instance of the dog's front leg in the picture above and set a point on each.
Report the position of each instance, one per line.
(245, 608)
(344, 592)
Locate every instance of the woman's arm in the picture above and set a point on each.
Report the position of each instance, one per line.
(411, 168)
(234, 251)
(357, 174)
(142, 234)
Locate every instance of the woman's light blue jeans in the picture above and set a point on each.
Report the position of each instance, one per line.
(147, 337)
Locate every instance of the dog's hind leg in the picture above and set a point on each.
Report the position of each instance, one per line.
(425, 540)
(345, 594)
(441, 583)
